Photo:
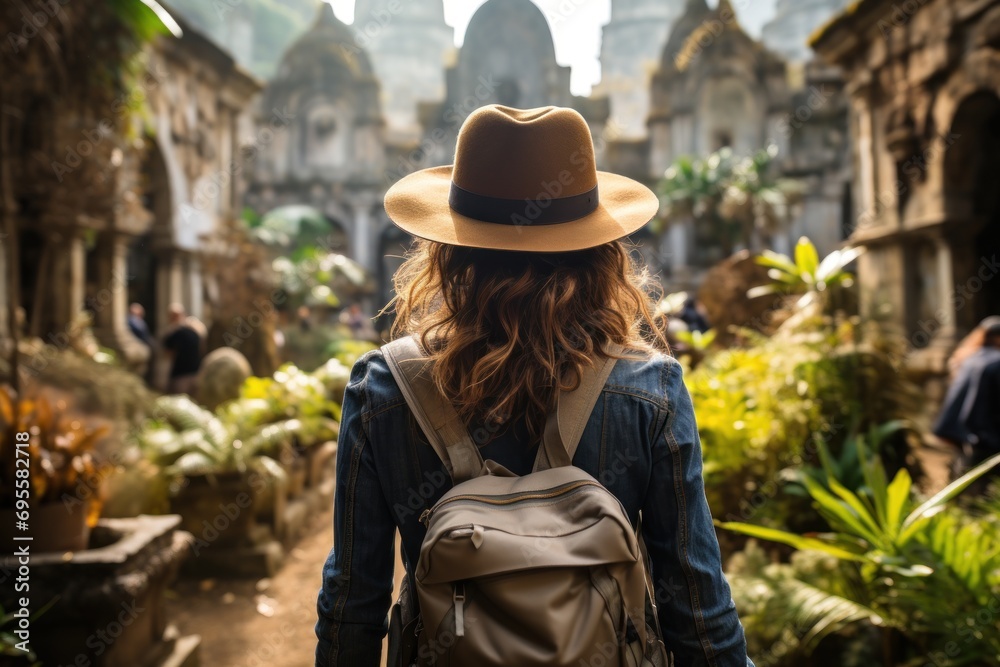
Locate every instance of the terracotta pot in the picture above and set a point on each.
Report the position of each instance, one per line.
(53, 527)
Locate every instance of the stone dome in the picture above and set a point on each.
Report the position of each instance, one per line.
(328, 48)
(523, 24)
(695, 14)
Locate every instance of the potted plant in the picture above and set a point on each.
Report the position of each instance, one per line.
(217, 477)
(40, 481)
(298, 403)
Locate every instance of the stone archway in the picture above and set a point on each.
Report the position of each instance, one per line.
(972, 201)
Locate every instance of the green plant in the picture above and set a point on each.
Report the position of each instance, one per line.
(806, 274)
(346, 351)
(771, 406)
(297, 402)
(336, 372)
(845, 466)
(99, 388)
(10, 644)
(733, 199)
(185, 439)
(921, 571)
(698, 341)
(790, 608)
(315, 277)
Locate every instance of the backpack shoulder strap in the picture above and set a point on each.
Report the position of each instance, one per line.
(566, 424)
(436, 416)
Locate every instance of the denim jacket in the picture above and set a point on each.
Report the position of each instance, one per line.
(641, 442)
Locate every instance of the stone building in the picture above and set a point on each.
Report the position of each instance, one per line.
(168, 193)
(631, 46)
(924, 87)
(190, 177)
(328, 145)
(508, 57)
(410, 46)
(679, 78)
(719, 88)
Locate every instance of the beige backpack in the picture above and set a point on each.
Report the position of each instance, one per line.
(544, 569)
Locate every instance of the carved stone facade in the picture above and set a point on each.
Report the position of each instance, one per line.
(328, 148)
(145, 244)
(719, 88)
(490, 69)
(924, 86)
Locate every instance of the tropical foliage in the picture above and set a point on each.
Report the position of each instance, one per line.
(186, 439)
(306, 260)
(805, 274)
(921, 571)
(777, 402)
(734, 200)
(271, 414)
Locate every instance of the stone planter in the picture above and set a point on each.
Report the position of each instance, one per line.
(54, 527)
(234, 518)
(218, 509)
(108, 609)
(296, 468)
(321, 460)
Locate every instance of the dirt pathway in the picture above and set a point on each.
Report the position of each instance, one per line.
(267, 622)
(248, 623)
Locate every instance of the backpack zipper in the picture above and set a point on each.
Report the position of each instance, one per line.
(425, 517)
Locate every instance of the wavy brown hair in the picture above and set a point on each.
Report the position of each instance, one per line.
(507, 330)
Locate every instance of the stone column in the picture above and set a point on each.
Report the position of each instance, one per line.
(193, 294)
(361, 243)
(677, 248)
(865, 175)
(111, 301)
(169, 285)
(62, 282)
(947, 334)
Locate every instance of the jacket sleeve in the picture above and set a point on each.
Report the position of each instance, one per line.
(697, 613)
(357, 577)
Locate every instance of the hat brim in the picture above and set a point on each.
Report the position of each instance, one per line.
(418, 204)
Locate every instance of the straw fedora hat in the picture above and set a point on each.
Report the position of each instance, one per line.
(523, 179)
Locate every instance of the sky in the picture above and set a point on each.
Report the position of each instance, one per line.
(576, 28)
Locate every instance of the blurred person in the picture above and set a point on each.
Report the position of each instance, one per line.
(505, 319)
(304, 318)
(137, 324)
(185, 345)
(970, 416)
(356, 320)
(692, 316)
